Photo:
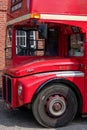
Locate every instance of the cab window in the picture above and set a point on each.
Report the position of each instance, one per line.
(8, 46)
(36, 42)
(76, 45)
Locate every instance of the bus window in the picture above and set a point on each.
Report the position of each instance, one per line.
(76, 45)
(8, 46)
(29, 42)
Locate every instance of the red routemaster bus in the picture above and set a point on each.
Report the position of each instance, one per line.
(46, 59)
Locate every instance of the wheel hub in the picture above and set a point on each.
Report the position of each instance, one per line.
(56, 105)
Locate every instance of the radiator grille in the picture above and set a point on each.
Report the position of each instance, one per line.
(4, 88)
(7, 88)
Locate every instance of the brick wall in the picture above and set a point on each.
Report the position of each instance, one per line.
(20, 12)
(3, 16)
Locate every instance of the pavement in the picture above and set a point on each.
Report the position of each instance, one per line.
(24, 120)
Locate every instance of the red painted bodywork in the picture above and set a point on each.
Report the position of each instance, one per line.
(77, 7)
(32, 72)
(31, 83)
(42, 65)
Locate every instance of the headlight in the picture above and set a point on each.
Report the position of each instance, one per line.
(20, 88)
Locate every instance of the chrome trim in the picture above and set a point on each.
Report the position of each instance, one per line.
(49, 17)
(63, 74)
(19, 19)
(70, 74)
(64, 17)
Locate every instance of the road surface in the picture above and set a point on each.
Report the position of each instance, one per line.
(22, 120)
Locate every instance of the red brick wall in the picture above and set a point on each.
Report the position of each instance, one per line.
(3, 16)
(20, 12)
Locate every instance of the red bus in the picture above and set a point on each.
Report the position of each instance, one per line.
(46, 59)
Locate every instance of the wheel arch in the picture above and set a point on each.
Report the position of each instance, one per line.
(66, 82)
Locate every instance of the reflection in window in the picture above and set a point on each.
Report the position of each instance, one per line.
(76, 47)
(28, 43)
(8, 47)
(20, 40)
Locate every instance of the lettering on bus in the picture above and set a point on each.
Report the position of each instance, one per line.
(16, 4)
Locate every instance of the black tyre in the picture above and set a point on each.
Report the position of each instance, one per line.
(55, 106)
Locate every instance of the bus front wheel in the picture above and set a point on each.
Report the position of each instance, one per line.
(55, 106)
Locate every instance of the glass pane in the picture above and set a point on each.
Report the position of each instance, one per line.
(76, 45)
(29, 44)
(9, 43)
